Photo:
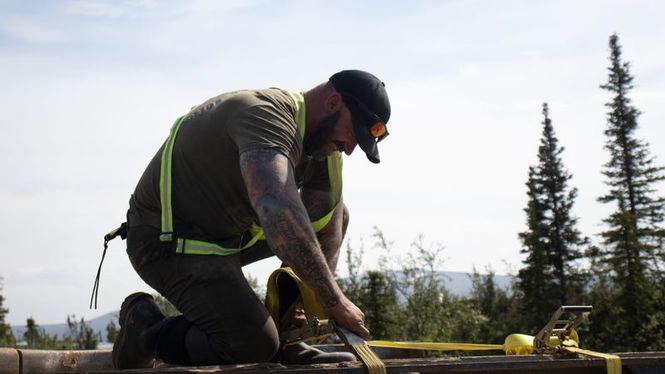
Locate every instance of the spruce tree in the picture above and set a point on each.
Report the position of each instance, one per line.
(631, 255)
(551, 242)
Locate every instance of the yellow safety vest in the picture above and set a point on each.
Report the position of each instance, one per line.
(199, 247)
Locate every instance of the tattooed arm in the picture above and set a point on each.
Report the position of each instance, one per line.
(330, 237)
(274, 196)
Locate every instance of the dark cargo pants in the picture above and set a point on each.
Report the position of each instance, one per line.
(223, 320)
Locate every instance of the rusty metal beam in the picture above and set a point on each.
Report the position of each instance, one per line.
(32, 361)
(10, 362)
(13, 361)
(637, 363)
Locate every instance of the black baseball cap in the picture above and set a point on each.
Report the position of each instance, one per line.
(366, 97)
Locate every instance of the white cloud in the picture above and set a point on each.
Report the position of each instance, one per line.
(30, 30)
(108, 9)
(197, 7)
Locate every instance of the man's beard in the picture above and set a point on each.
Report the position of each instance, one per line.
(315, 140)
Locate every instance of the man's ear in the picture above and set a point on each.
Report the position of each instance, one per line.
(334, 103)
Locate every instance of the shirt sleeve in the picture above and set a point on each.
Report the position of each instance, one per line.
(263, 126)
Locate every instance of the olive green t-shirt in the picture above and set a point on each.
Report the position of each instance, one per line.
(210, 200)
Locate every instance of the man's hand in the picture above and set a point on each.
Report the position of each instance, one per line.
(347, 314)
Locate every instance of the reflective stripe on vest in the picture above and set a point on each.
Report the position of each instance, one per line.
(190, 246)
(335, 180)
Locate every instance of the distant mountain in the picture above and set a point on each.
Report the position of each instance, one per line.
(98, 325)
(458, 283)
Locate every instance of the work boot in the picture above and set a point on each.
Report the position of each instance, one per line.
(136, 343)
(303, 354)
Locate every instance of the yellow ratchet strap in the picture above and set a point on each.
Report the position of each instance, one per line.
(612, 362)
(436, 346)
(370, 359)
(514, 344)
(363, 351)
(311, 303)
(313, 308)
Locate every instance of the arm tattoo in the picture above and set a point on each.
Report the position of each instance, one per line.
(274, 196)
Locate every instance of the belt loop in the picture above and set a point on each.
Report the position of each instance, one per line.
(180, 249)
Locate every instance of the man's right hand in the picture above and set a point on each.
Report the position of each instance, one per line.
(348, 315)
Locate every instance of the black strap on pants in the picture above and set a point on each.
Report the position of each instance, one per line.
(120, 231)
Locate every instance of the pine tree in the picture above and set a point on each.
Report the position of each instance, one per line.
(632, 253)
(551, 242)
(6, 336)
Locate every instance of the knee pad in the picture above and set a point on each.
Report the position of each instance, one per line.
(171, 342)
(260, 345)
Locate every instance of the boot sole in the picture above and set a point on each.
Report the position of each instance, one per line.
(122, 319)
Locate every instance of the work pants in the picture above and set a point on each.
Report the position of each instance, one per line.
(222, 322)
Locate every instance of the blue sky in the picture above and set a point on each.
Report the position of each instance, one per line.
(90, 89)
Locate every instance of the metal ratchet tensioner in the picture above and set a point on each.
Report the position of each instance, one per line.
(560, 328)
(314, 328)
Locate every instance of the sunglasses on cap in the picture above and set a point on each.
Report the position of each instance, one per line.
(375, 125)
